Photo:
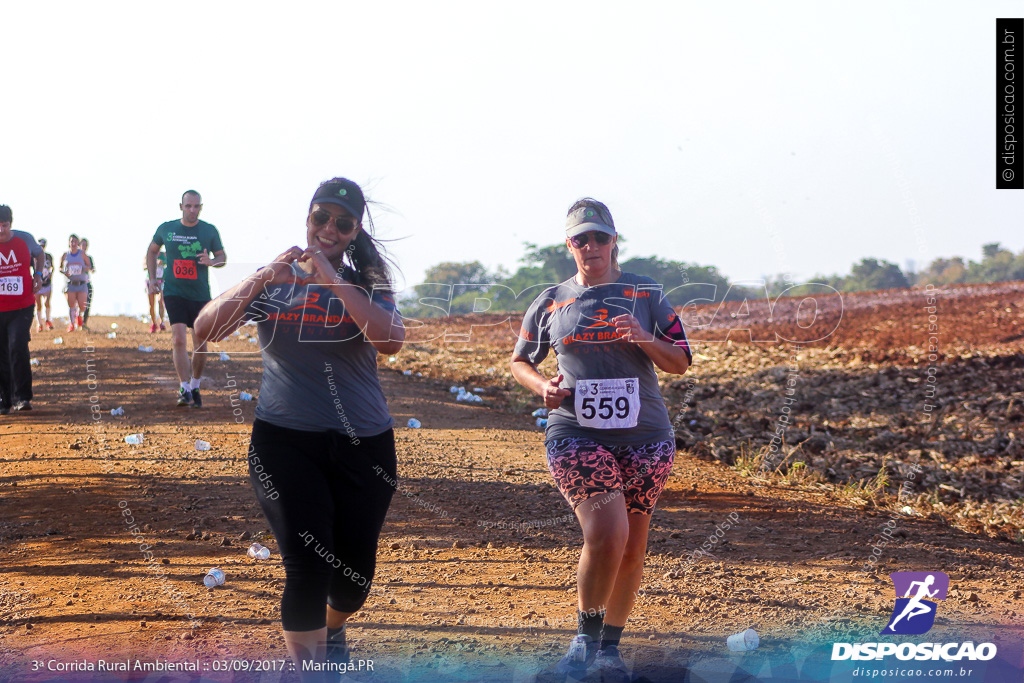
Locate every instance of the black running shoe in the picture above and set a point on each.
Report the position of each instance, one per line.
(184, 398)
(197, 400)
(609, 662)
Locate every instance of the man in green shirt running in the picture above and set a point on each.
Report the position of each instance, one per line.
(189, 243)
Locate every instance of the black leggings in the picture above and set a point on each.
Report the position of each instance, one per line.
(325, 495)
(88, 304)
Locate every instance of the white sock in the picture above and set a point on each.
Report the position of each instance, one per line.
(195, 382)
(186, 386)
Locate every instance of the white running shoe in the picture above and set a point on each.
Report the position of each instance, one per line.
(580, 656)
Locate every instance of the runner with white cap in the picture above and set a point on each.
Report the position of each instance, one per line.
(609, 440)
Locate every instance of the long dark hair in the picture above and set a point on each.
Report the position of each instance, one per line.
(371, 265)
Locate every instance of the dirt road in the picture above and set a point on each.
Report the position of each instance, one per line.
(476, 573)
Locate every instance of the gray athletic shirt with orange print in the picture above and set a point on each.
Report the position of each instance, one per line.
(319, 370)
(575, 322)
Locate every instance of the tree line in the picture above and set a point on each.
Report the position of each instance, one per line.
(469, 287)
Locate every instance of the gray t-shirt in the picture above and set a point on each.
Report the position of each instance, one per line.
(319, 371)
(78, 274)
(575, 321)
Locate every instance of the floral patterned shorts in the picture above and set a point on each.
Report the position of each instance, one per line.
(582, 468)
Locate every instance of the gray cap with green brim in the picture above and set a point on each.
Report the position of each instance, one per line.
(586, 219)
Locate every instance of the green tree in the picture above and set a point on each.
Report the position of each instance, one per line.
(997, 265)
(449, 289)
(871, 274)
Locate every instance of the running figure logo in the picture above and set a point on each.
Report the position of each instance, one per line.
(913, 613)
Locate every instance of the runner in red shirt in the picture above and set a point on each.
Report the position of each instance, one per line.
(18, 285)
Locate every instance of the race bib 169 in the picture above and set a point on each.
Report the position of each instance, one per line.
(10, 285)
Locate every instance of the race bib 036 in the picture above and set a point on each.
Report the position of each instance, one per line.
(608, 403)
(185, 269)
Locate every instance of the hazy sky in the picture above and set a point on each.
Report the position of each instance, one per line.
(757, 137)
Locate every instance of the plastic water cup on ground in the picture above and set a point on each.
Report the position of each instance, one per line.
(540, 412)
(112, 335)
(145, 349)
(406, 372)
(113, 326)
(117, 411)
(392, 359)
(34, 361)
(134, 439)
(245, 396)
(743, 641)
(453, 390)
(224, 356)
(58, 340)
(214, 577)
(202, 445)
(258, 552)
(253, 340)
(542, 422)
(413, 423)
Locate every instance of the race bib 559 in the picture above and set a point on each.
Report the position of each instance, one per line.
(608, 403)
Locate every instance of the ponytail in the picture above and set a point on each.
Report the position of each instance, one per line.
(370, 266)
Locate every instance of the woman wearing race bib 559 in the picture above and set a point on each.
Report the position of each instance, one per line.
(609, 440)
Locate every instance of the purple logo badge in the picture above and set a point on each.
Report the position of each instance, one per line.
(916, 593)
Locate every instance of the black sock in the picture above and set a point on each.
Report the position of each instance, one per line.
(337, 648)
(590, 623)
(611, 635)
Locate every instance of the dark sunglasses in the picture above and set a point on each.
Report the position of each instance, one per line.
(580, 241)
(344, 224)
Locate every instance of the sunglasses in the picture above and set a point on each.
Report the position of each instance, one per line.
(580, 241)
(344, 224)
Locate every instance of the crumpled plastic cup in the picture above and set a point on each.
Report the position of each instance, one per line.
(743, 641)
